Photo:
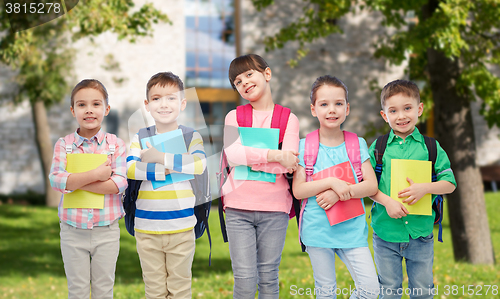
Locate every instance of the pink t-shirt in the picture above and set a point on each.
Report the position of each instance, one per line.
(257, 195)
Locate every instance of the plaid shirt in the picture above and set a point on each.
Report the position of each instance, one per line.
(113, 208)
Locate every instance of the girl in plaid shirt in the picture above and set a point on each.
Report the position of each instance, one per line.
(90, 238)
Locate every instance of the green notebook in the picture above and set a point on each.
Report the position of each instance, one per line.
(258, 138)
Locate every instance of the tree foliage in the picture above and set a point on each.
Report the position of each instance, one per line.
(42, 56)
(467, 31)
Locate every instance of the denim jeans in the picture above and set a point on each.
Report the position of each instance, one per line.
(418, 255)
(256, 240)
(359, 262)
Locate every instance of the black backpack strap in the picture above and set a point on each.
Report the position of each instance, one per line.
(438, 203)
(431, 145)
(379, 154)
(222, 221)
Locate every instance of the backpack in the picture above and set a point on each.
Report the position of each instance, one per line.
(200, 185)
(244, 116)
(110, 140)
(311, 148)
(430, 143)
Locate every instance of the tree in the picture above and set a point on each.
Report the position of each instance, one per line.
(41, 57)
(456, 44)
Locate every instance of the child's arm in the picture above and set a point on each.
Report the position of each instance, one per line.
(394, 208)
(117, 183)
(193, 162)
(58, 175)
(238, 154)
(445, 183)
(138, 170)
(286, 159)
(303, 189)
(100, 174)
(417, 190)
(369, 185)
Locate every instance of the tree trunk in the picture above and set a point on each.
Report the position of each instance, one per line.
(45, 146)
(454, 129)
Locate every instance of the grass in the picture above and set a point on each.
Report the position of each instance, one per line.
(31, 264)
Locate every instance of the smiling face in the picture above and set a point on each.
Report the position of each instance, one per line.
(330, 107)
(253, 85)
(402, 113)
(89, 108)
(165, 103)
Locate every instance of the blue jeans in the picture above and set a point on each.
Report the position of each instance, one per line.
(359, 262)
(418, 255)
(256, 240)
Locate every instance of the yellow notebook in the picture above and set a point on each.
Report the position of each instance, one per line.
(80, 199)
(419, 172)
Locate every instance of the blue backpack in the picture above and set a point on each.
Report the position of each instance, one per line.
(200, 186)
(430, 143)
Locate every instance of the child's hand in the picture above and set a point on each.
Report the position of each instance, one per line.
(415, 192)
(152, 155)
(327, 199)
(103, 172)
(342, 189)
(170, 171)
(395, 209)
(289, 160)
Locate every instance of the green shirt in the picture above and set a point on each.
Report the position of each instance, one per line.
(414, 226)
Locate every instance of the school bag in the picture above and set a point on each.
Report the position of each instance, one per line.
(311, 148)
(279, 121)
(111, 139)
(200, 185)
(430, 143)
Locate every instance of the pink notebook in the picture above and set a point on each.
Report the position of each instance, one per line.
(342, 210)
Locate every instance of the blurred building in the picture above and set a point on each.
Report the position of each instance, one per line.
(205, 35)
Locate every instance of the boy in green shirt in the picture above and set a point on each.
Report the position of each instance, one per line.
(397, 234)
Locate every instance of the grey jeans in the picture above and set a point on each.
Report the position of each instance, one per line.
(256, 240)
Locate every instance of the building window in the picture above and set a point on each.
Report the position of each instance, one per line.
(210, 42)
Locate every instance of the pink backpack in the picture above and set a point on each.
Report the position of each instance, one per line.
(311, 149)
(111, 140)
(244, 117)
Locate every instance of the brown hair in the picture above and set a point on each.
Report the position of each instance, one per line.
(89, 83)
(245, 63)
(408, 88)
(163, 79)
(327, 80)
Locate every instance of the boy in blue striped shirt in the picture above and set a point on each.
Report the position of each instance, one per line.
(164, 217)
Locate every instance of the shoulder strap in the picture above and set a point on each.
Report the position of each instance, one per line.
(280, 120)
(146, 132)
(380, 146)
(187, 133)
(430, 143)
(353, 152)
(311, 148)
(68, 140)
(111, 141)
(244, 115)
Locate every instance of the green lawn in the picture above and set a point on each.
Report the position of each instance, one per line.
(31, 264)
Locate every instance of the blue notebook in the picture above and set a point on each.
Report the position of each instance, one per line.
(258, 138)
(170, 142)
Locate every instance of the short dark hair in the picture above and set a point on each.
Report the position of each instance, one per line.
(330, 81)
(245, 63)
(405, 87)
(89, 83)
(163, 79)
